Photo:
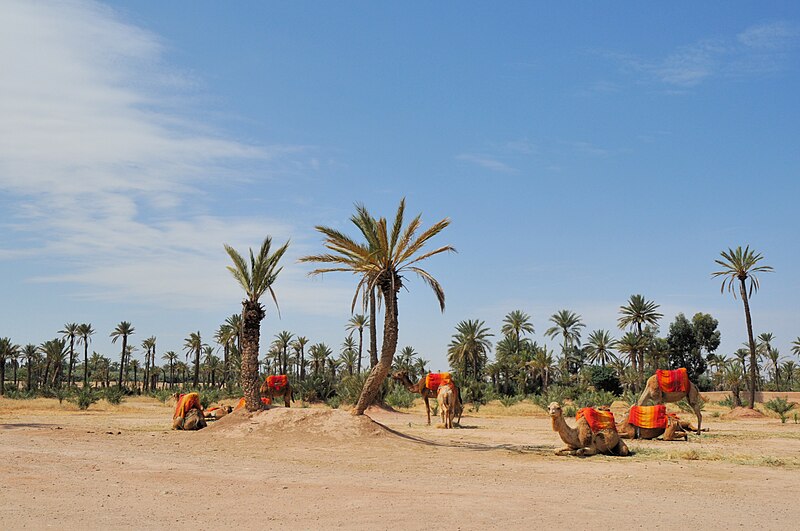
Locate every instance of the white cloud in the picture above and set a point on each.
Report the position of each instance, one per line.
(487, 162)
(773, 35)
(109, 182)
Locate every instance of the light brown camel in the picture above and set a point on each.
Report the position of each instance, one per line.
(216, 413)
(188, 412)
(652, 391)
(581, 441)
(675, 429)
(284, 392)
(446, 397)
(427, 394)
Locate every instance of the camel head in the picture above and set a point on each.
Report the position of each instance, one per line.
(554, 409)
(400, 376)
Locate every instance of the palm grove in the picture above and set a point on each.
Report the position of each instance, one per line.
(575, 363)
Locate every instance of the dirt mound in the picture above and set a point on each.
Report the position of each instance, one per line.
(743, 413)
(278, 422)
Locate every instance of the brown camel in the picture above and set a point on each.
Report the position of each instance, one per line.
(675, 429)
(216, 413)
(581, 441)
(284, 392)
(446, 397)
(421, 389)
(652, 391)
(188, 412)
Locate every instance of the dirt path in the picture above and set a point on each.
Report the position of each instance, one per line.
(314, 469)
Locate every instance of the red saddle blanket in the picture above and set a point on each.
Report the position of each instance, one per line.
(598, 420)
(676, 381)
(435, 379)
(241, 403)
(277, 382)
(185, 403)
(648, 416)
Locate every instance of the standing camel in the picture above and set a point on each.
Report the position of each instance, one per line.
(277, 386)
(673, 386)
(446, 397)
(426, 393)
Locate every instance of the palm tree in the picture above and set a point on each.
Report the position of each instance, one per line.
(542, 366)
(358, 322)
(381, 262)
(225, 336)
(70, 331)
(742, 265)
(193, 345)
(348, 354)
(54, 352)
(6, 348)
(171, 357)
(299, 346)
(516, 324)
(135, 366)
(282, 341)
(30, 353)
(637, 313)
(600, 347)
(469, 346)
(123, 329)
(765, 340)
(256, 279)
(796, 347)
(568, 324)
(788, 369)
(85, 333)
(149, 346)
(319, 355)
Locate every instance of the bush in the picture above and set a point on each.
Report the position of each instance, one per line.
(569, 410)
(113, 396)
(209, 396)
(162, 394)
(509, 401)
(685, 406)
(334, 402)
(349, 389)
(594, 399)
(780, 406)
(316, 389)
(727, 402)
(400, 397)
(604, 379)
(555, 393)
(84, 398)
(15, 394)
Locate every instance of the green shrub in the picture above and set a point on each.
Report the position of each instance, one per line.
(209, 396)
(594, 399)
(780, 406)
(16, 394)
(629, 397)
(727, 402)
(113, 396)
(400, 397)
(509, 401)
(603, 379)
(349, 389)
(162, 394)
(84, 398)
(334, 402)
(685, 406)
(555, 393)
(569, 410)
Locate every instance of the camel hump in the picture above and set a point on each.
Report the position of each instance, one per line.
(434, 379)
(674, 381)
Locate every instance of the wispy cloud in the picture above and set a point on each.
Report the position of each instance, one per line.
(110, 182)
(487, 162)
(757, 50)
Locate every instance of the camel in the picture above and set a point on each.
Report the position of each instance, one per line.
(581, 441)
(446, 397)
(270, 393)
(674, 430)
(188, 412)
(652, 391)
(216, 413)
(427, 394)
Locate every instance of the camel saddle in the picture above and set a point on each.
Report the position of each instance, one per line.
(676, 381)
(241, 403)
(278, 382)
(185, 403)
(648, 416)
(598, 420)
(435, 379)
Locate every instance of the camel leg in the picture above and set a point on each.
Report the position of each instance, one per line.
(586, 452)
(566, 451)
(427, 408)
(621, 449)
(286, 397)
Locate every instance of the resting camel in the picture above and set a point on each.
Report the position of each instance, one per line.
(674, 430)
(446, 397)
(188, 412)
(271, 392)
(652, 391)
(581, 440)
(216, 413)
(427, 394)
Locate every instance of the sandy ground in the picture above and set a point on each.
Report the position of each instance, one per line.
(316, 468)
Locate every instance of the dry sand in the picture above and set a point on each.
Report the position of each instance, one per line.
(316, 468)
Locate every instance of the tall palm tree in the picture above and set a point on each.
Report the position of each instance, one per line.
(634, 315)
(149, 346)
(742, 265)
(348, 354)
(30, 352)
(319, 355)
(380, 262)
(6, 349)
(358, 322)
(225, 336)
(299, 346)
(55, 353)
(567, 324)
(193, 345)
(789, 368)
(469, 346)
(516, 324)
(764, 345)
(255, 278)
(85, 333)
(796, 347)
(282, 341)
(541, 366)
(171, 357)
(123, 330)
(600, 347)
(70, 331)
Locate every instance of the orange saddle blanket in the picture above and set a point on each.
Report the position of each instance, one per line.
(435, 379)
(676, 381)
(598, 420)
(277, 382)
(648, 416)
(185, 403)
(241, 403)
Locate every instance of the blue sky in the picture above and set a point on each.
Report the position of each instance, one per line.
(583, 154)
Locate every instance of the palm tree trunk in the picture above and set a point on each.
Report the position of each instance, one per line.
(373, 334)
(360, 345)
(752, 344)
(252, 315)
(71, 358)
(30, 370)
(196, 380)
(86, 363)
(382, 367)
(122, 360)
